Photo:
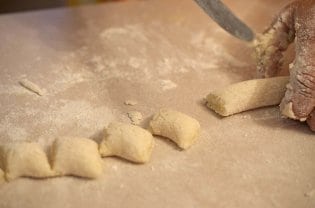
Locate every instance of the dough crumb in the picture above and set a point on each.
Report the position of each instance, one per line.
(130, 102)
(168, 84)
(31, 87)
(135, 117)
(310, 193)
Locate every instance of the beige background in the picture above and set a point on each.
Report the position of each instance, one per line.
(161, 53)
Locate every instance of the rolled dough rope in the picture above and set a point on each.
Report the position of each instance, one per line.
(179, 127)
(76, 156)
(24, 159)
(127, 141)
(31, 87)
(247, 95)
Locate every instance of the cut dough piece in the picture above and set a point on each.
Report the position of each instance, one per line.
(179, 127)
(248, 95)
(127, 141)
(76, 156)
(31, 87)
(24, 159)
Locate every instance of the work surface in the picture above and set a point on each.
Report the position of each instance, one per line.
(162, 53)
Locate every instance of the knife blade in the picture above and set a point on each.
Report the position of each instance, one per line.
(224, 17)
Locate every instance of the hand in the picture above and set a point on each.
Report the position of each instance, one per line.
(295, 22)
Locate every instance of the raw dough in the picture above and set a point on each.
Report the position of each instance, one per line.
(31, 86)
(24, 159)
(178, 127)
(135, 117)
(131, 102)
(248, 95)
(127, 141)
(76, 156)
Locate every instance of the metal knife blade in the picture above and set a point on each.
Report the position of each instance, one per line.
(226, 19)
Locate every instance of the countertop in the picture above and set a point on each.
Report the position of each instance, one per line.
(161, 53)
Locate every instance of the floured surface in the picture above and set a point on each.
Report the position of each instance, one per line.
(161, 53)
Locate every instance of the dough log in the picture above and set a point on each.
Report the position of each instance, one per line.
(179, 127)
(76, 156)
(248, 95)
(24, 159)
(127, 141)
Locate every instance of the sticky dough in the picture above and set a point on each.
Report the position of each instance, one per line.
(24, 159)
(179, 127)
(247, 95)
(76, 156)
(127, 141)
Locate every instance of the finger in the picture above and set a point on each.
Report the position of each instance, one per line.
(311, 120)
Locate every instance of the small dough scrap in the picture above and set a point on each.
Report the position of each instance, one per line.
(179, 127)
(248, 95)
(31, 86)
(24, 159)
(76, 156)
(135, 117)
(131, 102)
(127, 141)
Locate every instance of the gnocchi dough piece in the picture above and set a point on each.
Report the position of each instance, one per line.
(179, 127)
(127, 141)
(24, 159)
(248, 95)
(76, 156)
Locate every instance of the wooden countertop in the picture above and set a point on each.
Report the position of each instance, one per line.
(162, 53)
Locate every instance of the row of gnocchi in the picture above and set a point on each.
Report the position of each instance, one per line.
(82, 157)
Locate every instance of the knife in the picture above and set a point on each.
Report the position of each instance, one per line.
(223, 16)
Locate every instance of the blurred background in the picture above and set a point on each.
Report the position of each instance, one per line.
(7, 6)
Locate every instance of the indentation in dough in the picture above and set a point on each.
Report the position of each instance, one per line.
(247, 95)
(179, 127)
(127, 141)
(76, 156)
(31, 87)
(24, 159)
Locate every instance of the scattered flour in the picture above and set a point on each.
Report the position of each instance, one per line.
(15, 133)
